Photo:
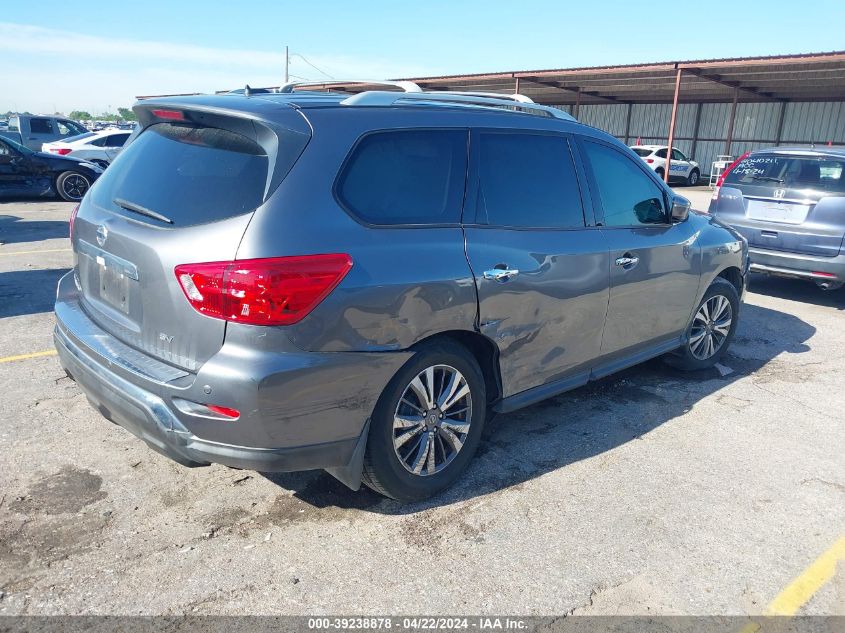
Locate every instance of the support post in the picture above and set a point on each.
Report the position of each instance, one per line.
(672, 125)
(695, 130)
(287, 64)
(628, 124)
(577, 103)
(516, 86)
(781, 119)
(730, 137)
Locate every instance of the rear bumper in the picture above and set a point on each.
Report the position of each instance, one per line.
(797, 265)
(300, 411)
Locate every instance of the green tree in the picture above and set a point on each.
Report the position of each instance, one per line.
(80, 115)
(126, 114)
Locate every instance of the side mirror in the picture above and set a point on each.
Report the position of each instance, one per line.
(680, 209)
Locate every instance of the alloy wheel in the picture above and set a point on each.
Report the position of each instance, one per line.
(710, 327)
(432, 419)
(75, 186)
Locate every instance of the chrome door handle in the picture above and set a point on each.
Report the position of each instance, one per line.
(501, 274)
(627, 262)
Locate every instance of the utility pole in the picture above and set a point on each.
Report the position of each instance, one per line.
(287, 64)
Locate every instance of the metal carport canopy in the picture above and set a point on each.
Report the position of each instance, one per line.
(806, 77)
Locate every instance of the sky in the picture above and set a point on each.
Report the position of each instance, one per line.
(65, 56)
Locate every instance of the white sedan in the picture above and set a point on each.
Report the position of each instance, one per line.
(680, 167)
(97, 147)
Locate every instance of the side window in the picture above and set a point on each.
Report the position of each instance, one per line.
(527, 180)
(99, 142)
(628, 196)
(676, 155)
(406, 177)
(661, 153)
(40, 126)
(4, 149)
(116, 140)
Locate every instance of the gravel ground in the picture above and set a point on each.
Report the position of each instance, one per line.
(650, 492)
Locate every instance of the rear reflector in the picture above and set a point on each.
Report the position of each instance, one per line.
(273, 291)
(170, 115)
(224, 411)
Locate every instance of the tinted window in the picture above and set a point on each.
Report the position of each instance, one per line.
(676, 155)
(628, 196)
(661, 153)
(116, 140)
(79, 137)
(40, 126)
(527, 180)
(789, 172)
(406, 177)
(641, 151)
(188, 174)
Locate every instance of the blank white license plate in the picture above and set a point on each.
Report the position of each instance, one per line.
(784, 212)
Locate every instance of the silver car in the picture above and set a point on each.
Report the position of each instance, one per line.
(789, 203)
(310, 280)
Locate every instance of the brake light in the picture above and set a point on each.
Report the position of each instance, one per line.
(821, 274)
(724, 174)
(61, 151)
(72, 220)
(273, 291)
(649, 160)
(170, 115)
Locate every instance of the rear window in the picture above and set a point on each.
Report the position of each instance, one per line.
(790, 172)
(189, 174)
(641, 151)
(78, 137)
(406, 177)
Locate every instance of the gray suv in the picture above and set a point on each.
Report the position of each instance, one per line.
(789, 203)
(311, 280)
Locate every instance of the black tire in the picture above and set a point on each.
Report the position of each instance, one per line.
(693, 178)
(659, 171)
(70, 185)
(384, 470)
(686, 358)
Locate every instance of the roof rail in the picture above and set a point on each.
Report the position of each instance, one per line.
(382, 98)
(493, 95)
(407, 86)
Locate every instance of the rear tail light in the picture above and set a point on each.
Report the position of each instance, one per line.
(61, 151)
(649, 160)
(72, 220)
(821, 274)
(273, 291)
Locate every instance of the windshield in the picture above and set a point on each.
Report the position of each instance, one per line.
(823, 173)
(641, 151)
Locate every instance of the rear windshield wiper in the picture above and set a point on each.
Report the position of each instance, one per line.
(137, 208)
(767, 178)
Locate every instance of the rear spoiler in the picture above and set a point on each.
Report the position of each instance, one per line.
(280, 129)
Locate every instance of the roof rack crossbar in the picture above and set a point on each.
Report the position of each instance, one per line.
(407, 86)
(382, 98)
(515, 96)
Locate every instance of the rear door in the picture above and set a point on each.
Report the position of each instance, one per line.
(540, 264)
(41, 130)
(655, 264)
(793, 203)
(183, 192)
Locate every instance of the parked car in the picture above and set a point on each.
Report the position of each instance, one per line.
(34, 131)
(680, 167)
(789, 203)
(309, 280)
(96, 147)
(27, 173)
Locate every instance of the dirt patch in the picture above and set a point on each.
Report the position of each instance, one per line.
(435, 529)
(64, 492)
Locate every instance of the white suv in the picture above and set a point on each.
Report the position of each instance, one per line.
(680, 167)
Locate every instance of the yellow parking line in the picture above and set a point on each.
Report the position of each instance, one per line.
(48, 250)
(9, 359)
(800, 590)
(804, 587)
